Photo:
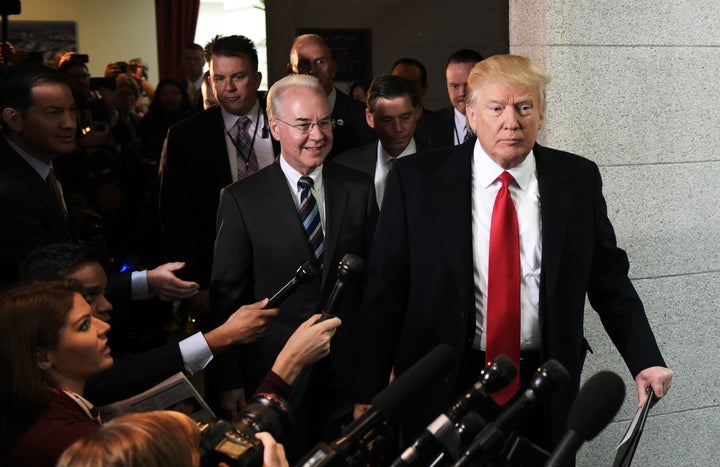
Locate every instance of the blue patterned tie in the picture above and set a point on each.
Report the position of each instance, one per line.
(310, 217)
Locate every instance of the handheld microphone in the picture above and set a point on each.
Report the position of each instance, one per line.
(361, 434)
(441, 433)
(595, 406)
(305, 273)
(349, 268)
(549, 378)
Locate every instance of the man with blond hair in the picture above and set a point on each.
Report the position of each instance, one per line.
(434, 276)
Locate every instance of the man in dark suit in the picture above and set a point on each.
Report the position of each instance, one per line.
(431, 268)
(310, 55)
(415, 72)
(38, 114)
(296, 210)
(203, 154)
(193, 61)
(448, 126)
(392, 111)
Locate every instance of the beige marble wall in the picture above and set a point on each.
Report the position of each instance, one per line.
(635, 88)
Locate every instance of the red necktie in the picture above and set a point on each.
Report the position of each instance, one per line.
(503, 300)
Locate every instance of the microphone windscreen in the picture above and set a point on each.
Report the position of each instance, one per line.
(428, 369)
(596, 404)
(498, 374)
(550, 377)
(351, 264)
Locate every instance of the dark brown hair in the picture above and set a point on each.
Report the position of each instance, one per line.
(31, 316)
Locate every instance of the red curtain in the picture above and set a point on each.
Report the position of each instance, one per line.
(175, 21)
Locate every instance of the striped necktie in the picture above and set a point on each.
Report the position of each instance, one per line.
(310, 217)
(247, 162)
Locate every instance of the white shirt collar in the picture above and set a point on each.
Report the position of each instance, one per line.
(293, 175)
(384, 157)
(487, 171)
(230, 119)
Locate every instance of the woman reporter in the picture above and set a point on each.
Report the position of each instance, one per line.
(49, 345)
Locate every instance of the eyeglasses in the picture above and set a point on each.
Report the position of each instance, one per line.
(325, 124)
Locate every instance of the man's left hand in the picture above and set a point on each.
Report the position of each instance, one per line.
(167, 286)
(658, 377)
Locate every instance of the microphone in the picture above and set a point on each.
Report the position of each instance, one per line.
(349, 268)
(441, 433)
(595, 406)
(467, 428)
(361, 434)
(305, 273)
(549, 378)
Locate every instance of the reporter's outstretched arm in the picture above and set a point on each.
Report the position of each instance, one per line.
(309, 343)
(247, 324)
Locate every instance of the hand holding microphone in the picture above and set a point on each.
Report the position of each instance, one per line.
(349, 269)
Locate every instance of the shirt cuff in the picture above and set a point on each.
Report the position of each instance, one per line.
(196, 353)
(139, 288)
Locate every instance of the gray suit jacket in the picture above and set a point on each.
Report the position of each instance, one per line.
(261, 242)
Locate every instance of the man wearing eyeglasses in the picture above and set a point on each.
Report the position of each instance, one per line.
(310, 55)
(298, 209)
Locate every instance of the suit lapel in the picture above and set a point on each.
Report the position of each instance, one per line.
(451, 214)
(336, 200)
(44, 199)
(555, 200)
(279, 204)
(217, 147)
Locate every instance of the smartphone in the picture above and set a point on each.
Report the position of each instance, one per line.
(97, 83)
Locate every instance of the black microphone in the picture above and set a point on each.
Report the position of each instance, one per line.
(595, 406)
(305, 273)
(441, 433)
(467, 428)
(361, 434)
(349, 268)
(549, 378)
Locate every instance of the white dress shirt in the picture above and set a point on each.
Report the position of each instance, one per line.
(383, 166)
(262, 145)
(526, 197)
(461, 127)
(292, 176)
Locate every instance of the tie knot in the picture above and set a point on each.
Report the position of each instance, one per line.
(305, 183)
(242, 122)
(506, 179)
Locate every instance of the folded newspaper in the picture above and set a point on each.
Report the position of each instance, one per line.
(175, 393)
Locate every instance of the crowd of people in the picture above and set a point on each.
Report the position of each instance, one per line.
(187, 204)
